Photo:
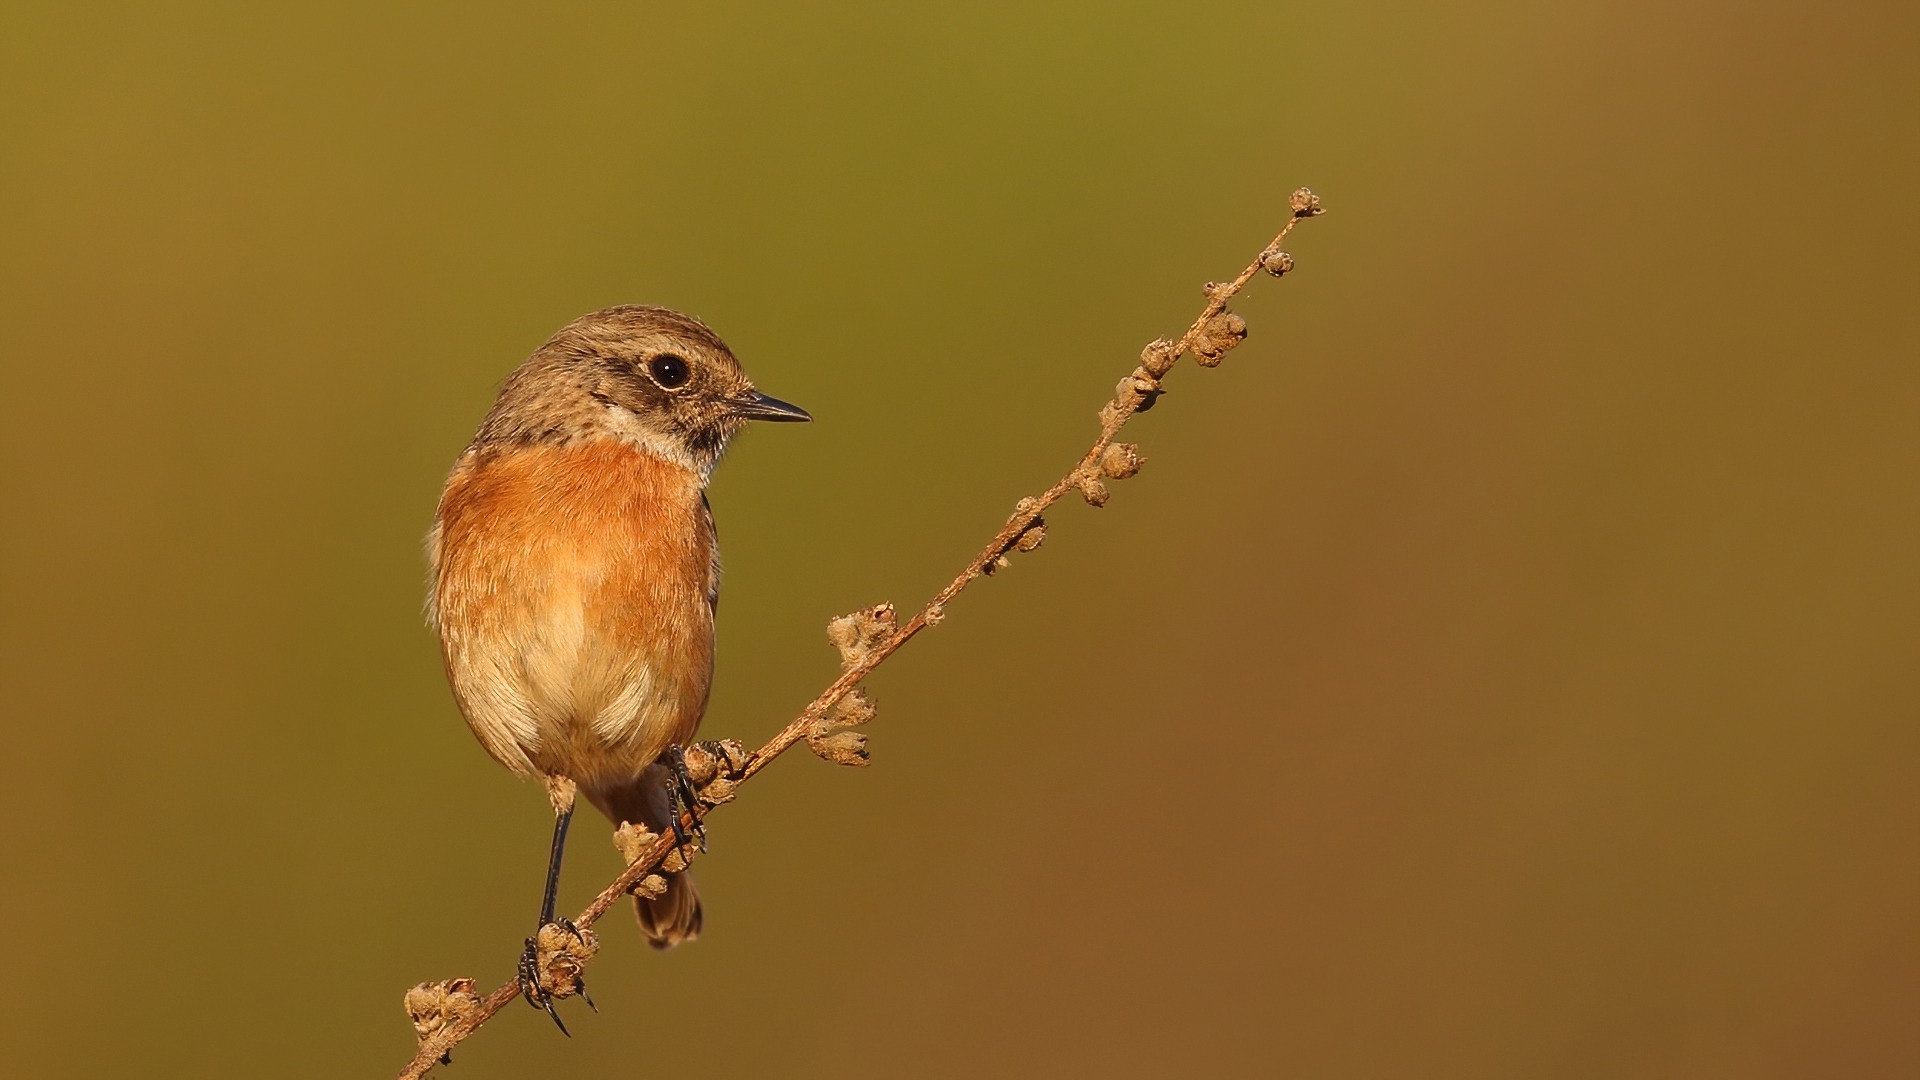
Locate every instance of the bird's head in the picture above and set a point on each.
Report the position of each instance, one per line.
(646, 375)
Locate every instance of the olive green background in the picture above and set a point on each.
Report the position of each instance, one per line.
(1505, 665)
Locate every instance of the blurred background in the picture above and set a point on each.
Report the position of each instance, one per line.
(1505, 665)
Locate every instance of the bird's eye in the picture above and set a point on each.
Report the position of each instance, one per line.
(668, 370)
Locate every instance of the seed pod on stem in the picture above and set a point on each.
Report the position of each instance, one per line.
(633, 840)
(560, 953)
(842, 748)
(1035, 535)
(1158, 357)
(1120, 460)
(858, 633)
(433, 1005)
(828, 737)
(1221, 333)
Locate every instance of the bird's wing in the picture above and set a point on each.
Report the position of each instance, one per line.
(713, 559)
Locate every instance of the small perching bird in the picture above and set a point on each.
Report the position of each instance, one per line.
(575, 572)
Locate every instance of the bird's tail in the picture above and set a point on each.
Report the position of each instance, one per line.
(674, 915)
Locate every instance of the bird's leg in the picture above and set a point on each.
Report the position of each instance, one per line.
(561, 792)
(681, 795)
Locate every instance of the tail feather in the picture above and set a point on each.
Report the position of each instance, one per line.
(673, 916)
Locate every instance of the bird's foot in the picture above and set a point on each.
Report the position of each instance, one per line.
(550, 967)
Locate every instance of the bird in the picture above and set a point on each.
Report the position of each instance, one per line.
(575, 574)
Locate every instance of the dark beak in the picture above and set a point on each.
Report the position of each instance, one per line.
(758, 406)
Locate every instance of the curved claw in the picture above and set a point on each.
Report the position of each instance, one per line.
(530, 985)
(551, 1011)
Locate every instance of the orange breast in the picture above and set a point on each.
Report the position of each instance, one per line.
(571, 593)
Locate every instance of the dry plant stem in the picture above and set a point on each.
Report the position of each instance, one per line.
(1113, 418)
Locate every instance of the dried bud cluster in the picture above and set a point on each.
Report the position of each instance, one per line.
(633, 842)
(856, 635)
(560, 952)
(681, 857)
(1277, 263)
(1032, 534)
(1138, 390)
(434, 1005)
(1091, 489)
(713, 767)
(829, 738)
(1221, 333)
(714, 759)
(1120, 460)
(1305, 203)
(1134, 393)
(844, 748)
(1158, 357)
